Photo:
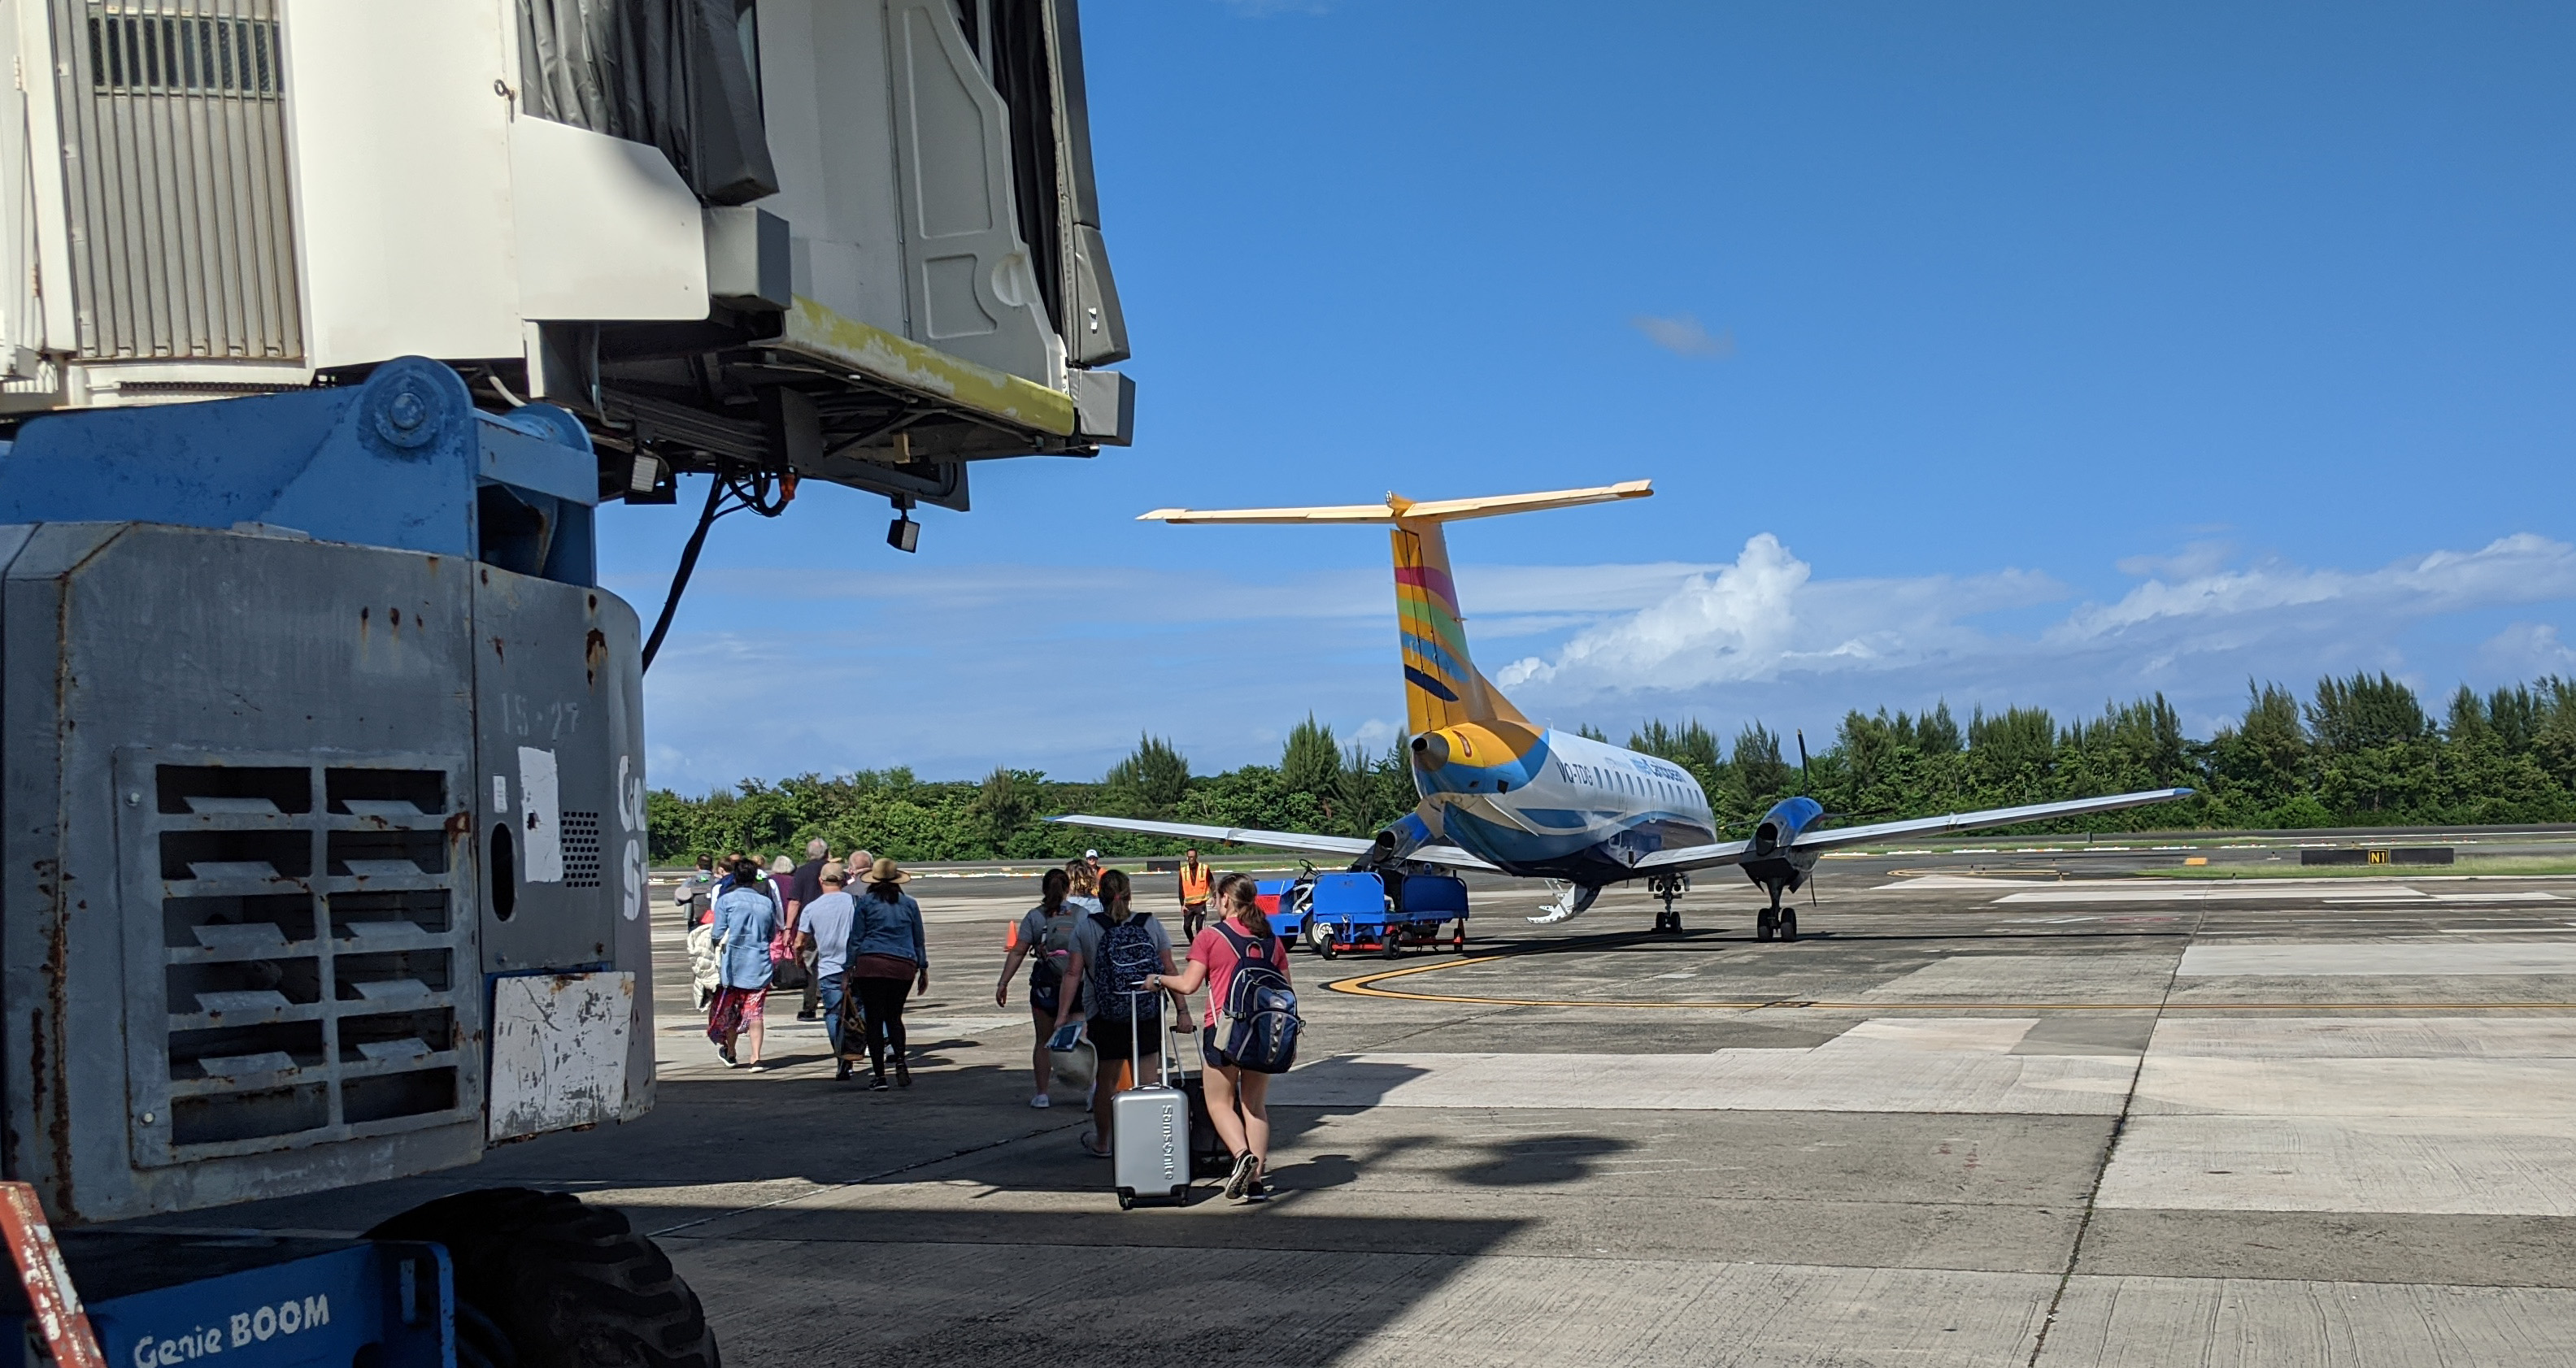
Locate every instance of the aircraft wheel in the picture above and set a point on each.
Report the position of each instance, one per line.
(1788, 923)
(1765, 924)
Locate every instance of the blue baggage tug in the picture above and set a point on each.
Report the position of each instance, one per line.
(1360, 910)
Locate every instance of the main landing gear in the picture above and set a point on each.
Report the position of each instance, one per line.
(1670, 888)
(1776, 920)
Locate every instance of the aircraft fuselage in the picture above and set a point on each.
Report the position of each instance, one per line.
(1555, 805)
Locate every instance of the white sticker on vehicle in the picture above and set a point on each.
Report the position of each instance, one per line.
(541, 830)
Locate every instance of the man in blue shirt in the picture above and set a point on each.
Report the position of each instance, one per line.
(823, 936)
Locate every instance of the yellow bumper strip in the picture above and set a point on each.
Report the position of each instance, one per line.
(872, 351)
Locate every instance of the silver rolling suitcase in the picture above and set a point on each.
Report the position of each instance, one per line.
(1149, 1133)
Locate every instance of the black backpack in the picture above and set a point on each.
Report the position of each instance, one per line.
(1257, 1024)
(1126, 956)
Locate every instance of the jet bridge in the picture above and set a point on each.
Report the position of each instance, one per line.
(848, 240)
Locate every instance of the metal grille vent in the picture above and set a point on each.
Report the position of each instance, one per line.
(317, 981)
(580, 849)
(134, 52)
(174, 170)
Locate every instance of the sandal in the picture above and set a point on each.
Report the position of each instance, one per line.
(1094, 1148)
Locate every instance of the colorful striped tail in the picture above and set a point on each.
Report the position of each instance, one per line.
(1442, 687)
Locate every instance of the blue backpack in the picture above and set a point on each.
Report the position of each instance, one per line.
(1127, 955)
(1257, 1024)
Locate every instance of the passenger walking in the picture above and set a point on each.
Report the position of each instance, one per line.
(823, 938)
(804, 885)
(746, 920)
(1046, 939)
(1237, 1098)
(888, 958)
(1085, 885)
(697, 895)
(1115, 954)
(1194, 895)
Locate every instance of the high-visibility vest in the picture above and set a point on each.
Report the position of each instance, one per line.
(1194, 884)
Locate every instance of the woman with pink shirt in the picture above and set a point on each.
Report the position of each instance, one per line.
(1236, 1097)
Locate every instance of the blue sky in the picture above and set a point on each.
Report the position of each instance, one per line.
(2006, 353)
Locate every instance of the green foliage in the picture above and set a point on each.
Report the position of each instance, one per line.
(2363, 751)
(1149, 783)
(1312, 761)
(1591, 733)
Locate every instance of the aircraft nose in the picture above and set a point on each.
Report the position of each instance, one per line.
(1430, 750)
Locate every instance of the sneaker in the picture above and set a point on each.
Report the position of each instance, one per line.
(842, 1073)
(1258, 1192)
(723, 1054)
(1041, 1101)
(879, 1084)
(1239, 1180)
(760, 1068)
(807, 1016)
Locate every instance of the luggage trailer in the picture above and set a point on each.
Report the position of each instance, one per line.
(1364, 911)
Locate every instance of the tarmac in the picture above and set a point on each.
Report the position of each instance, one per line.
(2043, 1116)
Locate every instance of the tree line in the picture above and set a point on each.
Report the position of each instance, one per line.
(2360, 751)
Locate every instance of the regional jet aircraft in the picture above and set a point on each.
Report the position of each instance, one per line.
(1501, 794)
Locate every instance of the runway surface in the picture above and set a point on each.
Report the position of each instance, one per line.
(1966, 1120)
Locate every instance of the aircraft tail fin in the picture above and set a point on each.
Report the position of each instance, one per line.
(1442, 686)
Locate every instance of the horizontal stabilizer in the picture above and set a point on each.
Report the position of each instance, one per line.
(1399, 509)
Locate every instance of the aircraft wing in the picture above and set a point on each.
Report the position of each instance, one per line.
(1734, 852)
(1350, 846)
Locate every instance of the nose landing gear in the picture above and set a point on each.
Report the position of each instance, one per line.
(1668, 887)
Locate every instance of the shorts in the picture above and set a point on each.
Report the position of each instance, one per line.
(1044, 996)
(1216, 1058)
(755, 1004)
(1126, 1039)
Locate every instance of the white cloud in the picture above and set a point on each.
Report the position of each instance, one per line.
(953, 669)
(1768, 635)
(1766, 616)
(2527, 650)
(1683, 335)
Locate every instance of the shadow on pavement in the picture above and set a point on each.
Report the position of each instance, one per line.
(926, 1288)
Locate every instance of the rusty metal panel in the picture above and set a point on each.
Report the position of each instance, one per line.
(175, 177)
(233, 763)
(559, 1047)
(559, 788)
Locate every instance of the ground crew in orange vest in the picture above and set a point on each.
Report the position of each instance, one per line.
(1194, 896)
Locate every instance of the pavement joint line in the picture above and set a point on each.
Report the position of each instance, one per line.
(2110, 1150)
(820, 1188)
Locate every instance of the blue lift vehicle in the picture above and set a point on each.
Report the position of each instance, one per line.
(328, 329)
(323, 863)
(1349, 911)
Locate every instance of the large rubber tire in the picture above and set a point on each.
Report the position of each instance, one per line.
(561, 1284)
(1763, 925)
(1788, 924)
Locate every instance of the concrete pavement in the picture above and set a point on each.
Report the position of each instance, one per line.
(1966, 1121)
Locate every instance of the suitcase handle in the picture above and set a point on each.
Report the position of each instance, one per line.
(1136, 1041)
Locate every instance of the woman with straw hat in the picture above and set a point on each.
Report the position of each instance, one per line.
(888, 959)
